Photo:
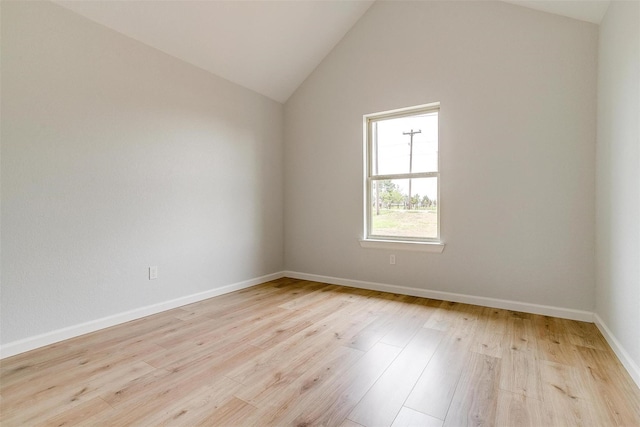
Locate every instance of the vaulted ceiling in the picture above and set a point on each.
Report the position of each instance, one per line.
(267, 46)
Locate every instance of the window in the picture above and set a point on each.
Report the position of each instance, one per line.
(401, 175)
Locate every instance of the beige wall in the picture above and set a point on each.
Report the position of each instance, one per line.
(618, 180)
(517, 147)
(116, 157)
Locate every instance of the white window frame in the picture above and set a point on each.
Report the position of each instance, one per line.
(434, 244)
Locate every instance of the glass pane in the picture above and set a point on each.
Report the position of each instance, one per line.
(405, 144)
(395, 214)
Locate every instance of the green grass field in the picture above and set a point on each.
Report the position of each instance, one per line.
(405, 223)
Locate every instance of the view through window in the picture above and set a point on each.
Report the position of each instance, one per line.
(402, 174)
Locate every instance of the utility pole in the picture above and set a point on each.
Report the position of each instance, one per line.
(411, 133)
(375, 141)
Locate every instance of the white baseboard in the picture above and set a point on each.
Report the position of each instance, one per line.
(42, 340)
(545, 310)
(625, 359)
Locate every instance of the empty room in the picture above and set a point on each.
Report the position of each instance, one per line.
(320, 213)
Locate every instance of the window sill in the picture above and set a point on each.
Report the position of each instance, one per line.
(435, 247)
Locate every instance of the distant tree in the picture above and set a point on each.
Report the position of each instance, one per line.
(415, 201)
(387, 186)
(390, 193)
(395, 198)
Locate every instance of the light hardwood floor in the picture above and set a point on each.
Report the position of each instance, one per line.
(291, 352)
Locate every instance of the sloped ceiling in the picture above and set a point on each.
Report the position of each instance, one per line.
(267, 46)
(585, 10)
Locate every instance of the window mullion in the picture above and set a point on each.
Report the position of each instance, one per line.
(405, 176)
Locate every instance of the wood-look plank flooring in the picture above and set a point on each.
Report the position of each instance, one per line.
(299, 353)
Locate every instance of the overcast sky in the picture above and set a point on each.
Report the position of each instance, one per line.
(394, 148)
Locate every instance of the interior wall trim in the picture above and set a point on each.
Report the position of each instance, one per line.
(632, 368)
(545, 310)
(31, 343)
(566, 313)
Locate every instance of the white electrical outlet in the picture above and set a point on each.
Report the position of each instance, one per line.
(153, 272)
(392, 259)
